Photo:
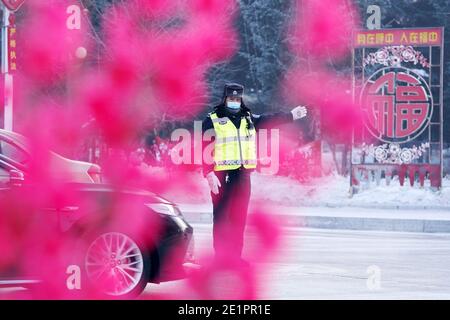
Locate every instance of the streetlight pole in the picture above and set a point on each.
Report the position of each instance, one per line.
(7, 77)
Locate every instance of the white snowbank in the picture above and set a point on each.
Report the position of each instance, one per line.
(334, 190)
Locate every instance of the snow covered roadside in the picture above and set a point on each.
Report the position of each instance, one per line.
(333, 191)
(323, 203)
(328, 191)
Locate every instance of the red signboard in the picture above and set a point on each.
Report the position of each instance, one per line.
(398, 84)
(392, 37)
(13, 5)
(12, 49)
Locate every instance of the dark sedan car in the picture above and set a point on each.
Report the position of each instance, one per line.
(129, 236)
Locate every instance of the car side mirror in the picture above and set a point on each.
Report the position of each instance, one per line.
(16, 178)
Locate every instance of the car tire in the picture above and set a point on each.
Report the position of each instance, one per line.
(115, 265)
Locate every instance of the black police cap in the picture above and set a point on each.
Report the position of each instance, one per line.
(233, 90)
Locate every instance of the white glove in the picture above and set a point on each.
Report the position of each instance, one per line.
(213, 181)
(299, 112)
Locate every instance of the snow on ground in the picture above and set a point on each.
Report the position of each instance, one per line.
(329, 191)
(333, 191)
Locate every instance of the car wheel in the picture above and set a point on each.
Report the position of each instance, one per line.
(116, 265)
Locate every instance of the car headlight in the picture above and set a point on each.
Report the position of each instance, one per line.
(164, 208)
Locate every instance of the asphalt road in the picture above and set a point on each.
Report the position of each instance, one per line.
(329, 264)
(336, 264)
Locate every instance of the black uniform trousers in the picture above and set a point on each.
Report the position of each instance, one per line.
(230, 208)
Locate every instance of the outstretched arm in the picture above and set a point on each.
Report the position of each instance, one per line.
(266, 121)
(271, 120)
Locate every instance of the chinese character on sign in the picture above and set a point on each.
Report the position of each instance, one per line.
(397, 105)
(411, 37)
(12, 47)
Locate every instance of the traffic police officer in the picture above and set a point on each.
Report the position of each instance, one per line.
(235, 157)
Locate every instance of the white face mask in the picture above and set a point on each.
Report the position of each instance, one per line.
(234, 105)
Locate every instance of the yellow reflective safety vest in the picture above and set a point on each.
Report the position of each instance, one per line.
(233, 147)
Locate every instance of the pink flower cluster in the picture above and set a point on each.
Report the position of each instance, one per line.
(322, 36)
(147, 57)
